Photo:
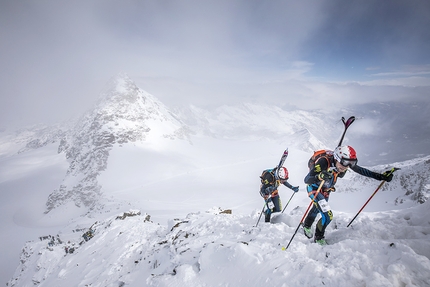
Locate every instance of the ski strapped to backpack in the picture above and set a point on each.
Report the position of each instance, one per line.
(270, 176)
(346, 124)
(283, 158)
(328, 153)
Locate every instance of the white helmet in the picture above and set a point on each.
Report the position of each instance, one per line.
(345, 155)
(283, 173)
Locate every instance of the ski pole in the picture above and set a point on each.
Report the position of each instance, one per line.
(304, 215)
(380, 185)
(261, 213)
(262, 210)
(288, 202)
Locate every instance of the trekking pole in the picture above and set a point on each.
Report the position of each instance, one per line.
(261, 213)
(304, 215)
(262, 210)
(288, 202)
(380, 185)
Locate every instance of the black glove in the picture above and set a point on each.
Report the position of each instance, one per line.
(295, 188)
(387, 176)
(324, 175)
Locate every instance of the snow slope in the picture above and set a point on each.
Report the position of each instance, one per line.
(151, 191)
(215, 249)
(187, 242)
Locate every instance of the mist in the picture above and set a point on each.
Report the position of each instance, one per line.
(56, 56)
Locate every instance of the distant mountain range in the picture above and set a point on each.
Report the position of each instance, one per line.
(125, 113)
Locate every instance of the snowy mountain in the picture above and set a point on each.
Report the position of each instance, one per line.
(143, 187)
(124, 114)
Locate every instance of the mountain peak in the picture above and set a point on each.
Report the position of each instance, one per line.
(123, 114)
(121, 87)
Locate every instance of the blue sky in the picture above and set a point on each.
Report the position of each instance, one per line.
(56, 56)
(363, 39)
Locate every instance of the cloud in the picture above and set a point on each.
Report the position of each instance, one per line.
(409, 70)
(57, 55)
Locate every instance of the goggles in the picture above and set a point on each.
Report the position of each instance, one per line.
(348, 162)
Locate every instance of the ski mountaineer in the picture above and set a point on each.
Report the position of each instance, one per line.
(329, 167)
(269, 189)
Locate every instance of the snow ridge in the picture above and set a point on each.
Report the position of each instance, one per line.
(217, 246)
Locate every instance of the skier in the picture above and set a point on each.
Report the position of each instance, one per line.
(328, 167)
(269, 189)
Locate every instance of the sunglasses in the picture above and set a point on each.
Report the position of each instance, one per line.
(348, 162)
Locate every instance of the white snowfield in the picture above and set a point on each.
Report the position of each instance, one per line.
(136, 198)
(217, 249)
(187, 241)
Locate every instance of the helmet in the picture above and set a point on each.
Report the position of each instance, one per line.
(283, 173)
(345, 155)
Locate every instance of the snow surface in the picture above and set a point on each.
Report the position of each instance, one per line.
(187, 241)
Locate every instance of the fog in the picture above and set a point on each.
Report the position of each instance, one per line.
(55, 56)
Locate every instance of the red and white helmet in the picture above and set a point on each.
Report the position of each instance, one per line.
(283, 173)
(345, 155)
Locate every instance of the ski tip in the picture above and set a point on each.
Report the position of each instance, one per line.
(350, 120)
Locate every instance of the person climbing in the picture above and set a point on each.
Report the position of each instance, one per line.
(329, 166)
(270, 181)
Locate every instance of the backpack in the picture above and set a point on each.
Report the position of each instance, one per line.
(268, 177)
(317, 155)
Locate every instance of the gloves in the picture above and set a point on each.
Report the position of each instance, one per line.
(295, 188)
(271, 191)
(325, 175)
(387, 176)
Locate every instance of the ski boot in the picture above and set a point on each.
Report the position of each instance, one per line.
(307, 231)
(321, 241)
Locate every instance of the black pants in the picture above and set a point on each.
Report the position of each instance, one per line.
(277, 207)
(324, 221)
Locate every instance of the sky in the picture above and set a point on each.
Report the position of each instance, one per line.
(56, 56)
